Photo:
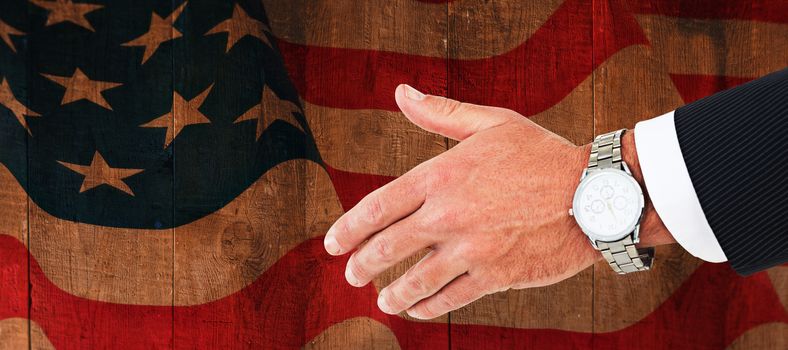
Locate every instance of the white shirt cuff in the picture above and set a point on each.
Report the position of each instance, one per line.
(670, 188)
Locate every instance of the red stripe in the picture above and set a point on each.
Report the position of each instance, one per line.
(693, 87)
(751, 10)
(529, 79)
(304, 293)
(359, 79)
(352, 187)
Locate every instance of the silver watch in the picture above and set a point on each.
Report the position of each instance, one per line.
(608, 206)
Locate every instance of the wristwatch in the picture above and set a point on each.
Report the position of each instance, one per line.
(608, 206)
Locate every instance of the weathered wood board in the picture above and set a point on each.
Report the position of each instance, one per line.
(168, 168)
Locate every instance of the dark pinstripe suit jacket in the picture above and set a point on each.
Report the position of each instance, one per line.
(735, 145)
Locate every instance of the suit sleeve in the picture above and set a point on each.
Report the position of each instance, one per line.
(735, 149)
(671, 190)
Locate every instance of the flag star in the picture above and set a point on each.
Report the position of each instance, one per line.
(67, 11)
(182, 114)
(270, 109)
(79, 87)
(161, 30)
(5, 33)
(8, 100)
(100, 173)
(239, 26)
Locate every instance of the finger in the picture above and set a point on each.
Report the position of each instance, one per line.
(448, 117)
(376, 211)
(421, 281)
(460, 292)
(386, 248)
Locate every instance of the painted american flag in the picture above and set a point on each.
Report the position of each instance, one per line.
(168, 167)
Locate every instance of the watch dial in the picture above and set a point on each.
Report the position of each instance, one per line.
(608, 204)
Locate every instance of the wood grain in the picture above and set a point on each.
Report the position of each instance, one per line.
(101, 263)
(370, 135)
(14, 335)
(355, 333)
(635, 85)
(89, 261)
(779, 277)
(566, 305)
(329, 25)
(239, 242)
(150, 284)
(233, 246)
(216, 256)
(14, 130)
(716, 47)
(630, 87)
(295, 200)
(372, 141)
(13, 332)
(376, 25)
(768, 336)
(13, 220)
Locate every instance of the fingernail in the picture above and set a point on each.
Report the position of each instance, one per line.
(332, 247)
(413, 94)
(383, 305)
(350, 277)
(414, 314)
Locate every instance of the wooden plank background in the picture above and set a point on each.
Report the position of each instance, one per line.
(479, 51)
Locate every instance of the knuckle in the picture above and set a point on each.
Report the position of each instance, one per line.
(342, 227)
(438, 305)
(430, 217)
(449, 107)
(466, 253)
(382, 249)
(358, 269)
(506, 113)
(446, 107)
(418, 225)
(439, 215)
(495, 287)
(416, 284)
(424, 222)
(427, 310)
(486, 279)
(373, 212)
(501, 282)
(445, 302)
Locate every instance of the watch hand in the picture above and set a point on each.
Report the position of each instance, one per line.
(610, 208)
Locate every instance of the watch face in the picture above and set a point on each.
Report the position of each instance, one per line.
(608, 204)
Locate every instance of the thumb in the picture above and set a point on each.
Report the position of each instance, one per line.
(450, 118)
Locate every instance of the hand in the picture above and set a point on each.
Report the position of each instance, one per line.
(493, 211)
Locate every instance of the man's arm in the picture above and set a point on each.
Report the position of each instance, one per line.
(492, 211)
(714, 170)
(730, 183)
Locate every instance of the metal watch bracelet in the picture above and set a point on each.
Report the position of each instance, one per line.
(622, 255)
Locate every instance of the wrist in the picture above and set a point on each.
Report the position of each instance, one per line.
(652, 230)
